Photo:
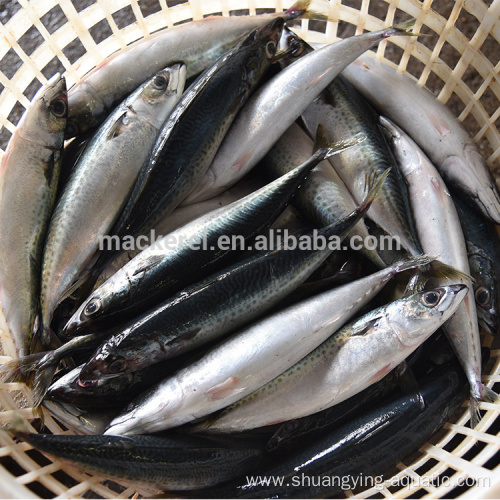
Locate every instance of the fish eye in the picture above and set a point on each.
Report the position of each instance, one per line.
(430, 299)
(160, 82)
(482, 295)
(117, 365)
(58, 108)
(270, 48)
(92, 307)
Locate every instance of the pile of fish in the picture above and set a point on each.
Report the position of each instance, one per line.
(241, 352)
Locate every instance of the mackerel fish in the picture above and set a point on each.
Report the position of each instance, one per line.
(29, 175)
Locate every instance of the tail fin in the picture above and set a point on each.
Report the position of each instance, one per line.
(20, 370)
(487, 395)
(306, 9)
(18, 428)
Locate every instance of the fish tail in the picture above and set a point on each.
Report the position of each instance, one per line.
(20, 370)
(402, 29)
(483, 393)
(475, 415)
(374, 189)
(412, 263)
(305, 9)
(489, 395)
(444, 271)
(339, 146)
(18, 428)
(41, 383)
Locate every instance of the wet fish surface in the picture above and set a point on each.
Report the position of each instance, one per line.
(434, 128)
(258, 354)
(29, 175)
(100, 184)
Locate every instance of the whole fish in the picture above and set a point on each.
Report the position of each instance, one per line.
(434, 352)
(252, 357)
(198, 44)
(168, 462)
(186, 255)
(483, 250)
(286, 95)
(358, 355)
(364, 448)
(434, 128)
(344, 113)
(29, 174)
(101, 183)
(324, 198)
(217, 306)
(189, 139)
(440, 233)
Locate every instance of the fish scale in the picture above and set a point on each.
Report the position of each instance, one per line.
(161, 270)
(100, 183)
(214, 307)
(258, 353)
(438, 226)
(191, 136)
(352, 359)
(343, 114)
(28, 182)
(324, 197)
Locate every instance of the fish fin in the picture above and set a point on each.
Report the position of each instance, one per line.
(405, 28)
(475, 415)
(365, 328)
(415, 284)
(18, 370)
(43, 379)
(489, 395)
(285, 430)
(75, 286)
(305, 9)
(183, 339)
(18, 427)
(441, 270)
(118, 127)
(320, 138)
(38, 413)
(413, 262)
(408, 383)
(45, 340)
(328, 149)
(374, 188)
(148, 264)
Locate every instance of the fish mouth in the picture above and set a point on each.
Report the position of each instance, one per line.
(490, 321)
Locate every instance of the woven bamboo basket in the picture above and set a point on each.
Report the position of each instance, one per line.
(458, 61)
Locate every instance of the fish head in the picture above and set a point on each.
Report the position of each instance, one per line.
(260, 48)
(86, 317)
(61, 390)
(144, 415)
(487, 306)
(423, 313)
(47, 124)
(120, 354)
(159, 94)
(292, 46)
(476, 181)
(84, 104)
